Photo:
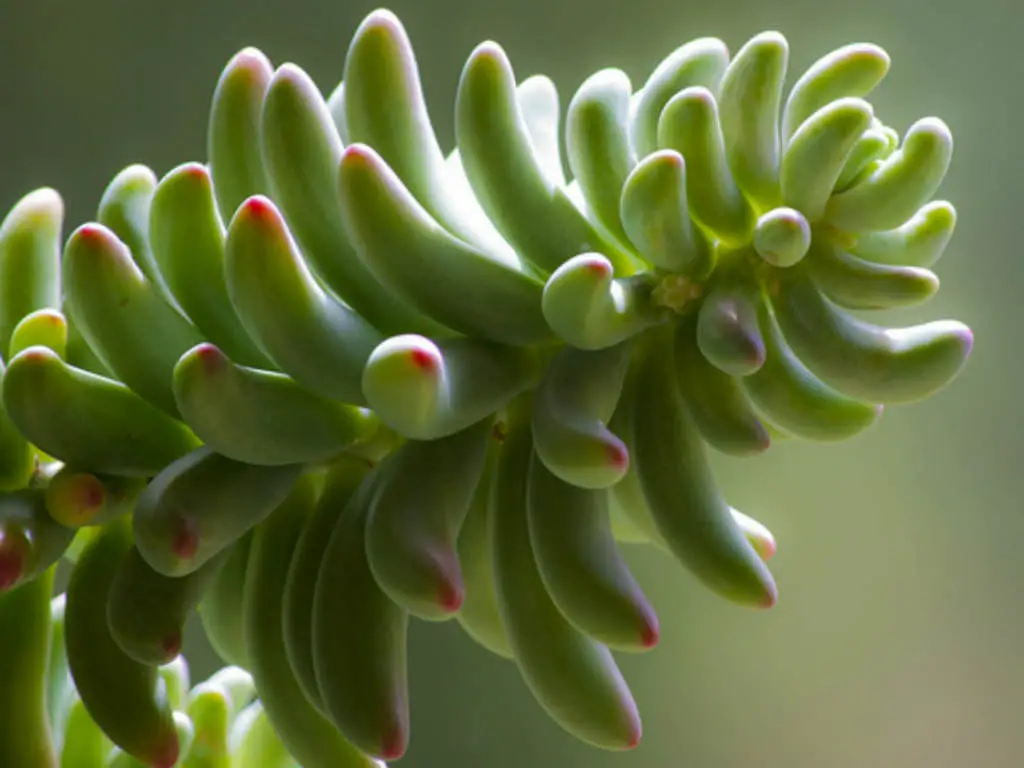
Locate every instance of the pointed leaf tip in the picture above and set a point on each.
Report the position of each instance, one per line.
(14, 555)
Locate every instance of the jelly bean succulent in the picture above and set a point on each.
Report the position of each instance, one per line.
(333, 380)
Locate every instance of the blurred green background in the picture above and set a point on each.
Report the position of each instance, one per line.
(897, 639)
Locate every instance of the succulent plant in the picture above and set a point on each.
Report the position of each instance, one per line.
(333, 379)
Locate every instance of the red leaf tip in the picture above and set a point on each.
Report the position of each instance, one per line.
(171, 645)
(671, 157)
(90, 494)
(394, 743)
(92, 234)
(167, 756)
(358, 153)
(12, 564)
(635, 734)
(450, 596)
(210, 357)
(51, 317)
(186, 540)
(194, 170)
(618, 456)
(424, 359)
(650, 633)
(259, 207)
(37, 354)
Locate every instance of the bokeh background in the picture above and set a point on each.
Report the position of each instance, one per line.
(898, 637)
